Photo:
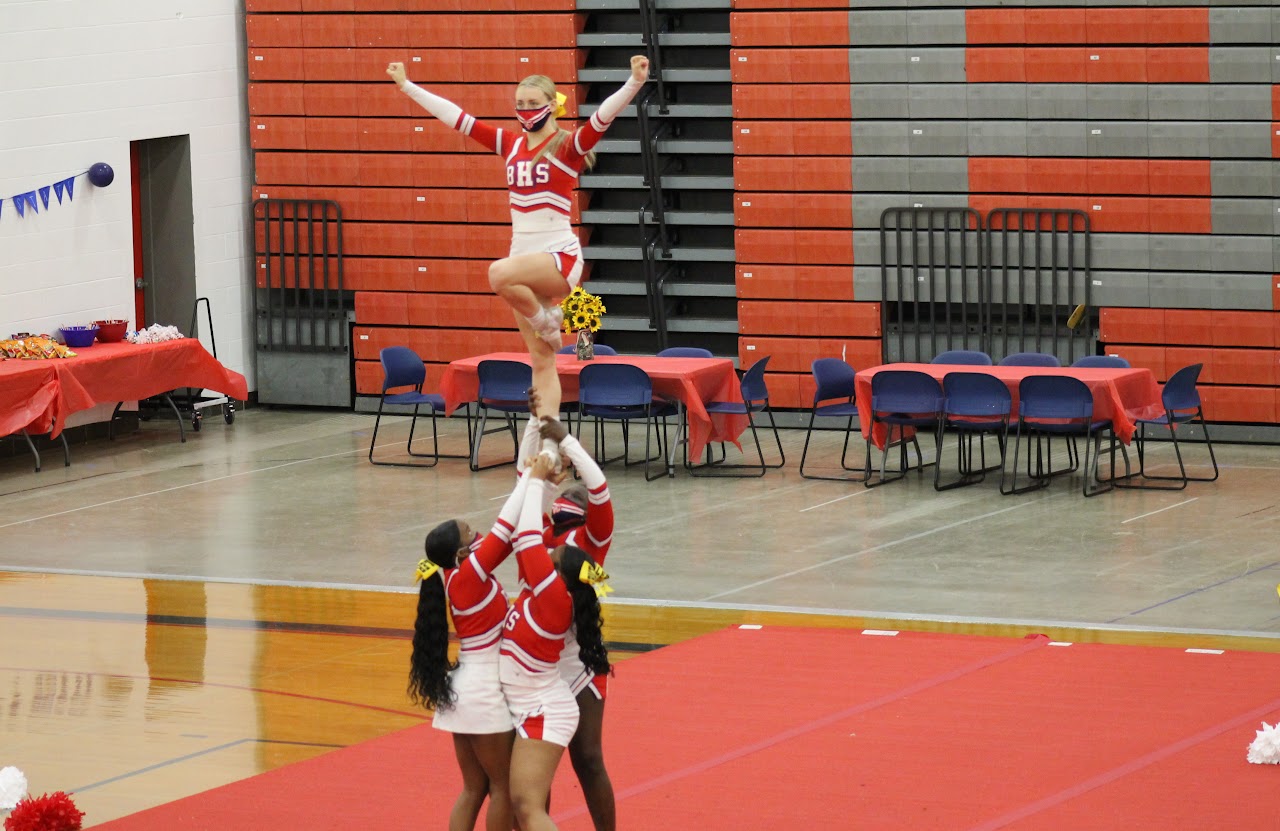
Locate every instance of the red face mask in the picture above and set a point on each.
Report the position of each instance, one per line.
(532, 120)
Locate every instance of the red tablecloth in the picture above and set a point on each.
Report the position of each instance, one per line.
(39, 395)
(1118, 394)
(692, 381)
(28, 391)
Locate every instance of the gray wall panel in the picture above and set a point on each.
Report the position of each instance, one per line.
(1251, 292)
(1179, 290)
(1119, 102)
(1180, 252)
(937, 65)
(877, 28)
(866, 282)
(939, 138)
(866, 250)
(881, 174)
(880, 100)
(997, 100)
(1241, 254)
(1127, 252)
(1118, 139)
(1178, 140)
(1232, 178)
(1178, 102)
(1057, 101)
(1239, 64)
(939, 175)
(867, 207)
(942, 101)
(1241, 102)
(1240, 140)
(998, 138)
(880, 138)
(886, 65)
(936, 26)
(1120, 288)
(1057, 138)
(1239, 25)
(1243, 216)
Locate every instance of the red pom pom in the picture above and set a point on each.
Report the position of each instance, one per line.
(51, 812)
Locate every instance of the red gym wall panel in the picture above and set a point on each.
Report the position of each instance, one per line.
(425, 210)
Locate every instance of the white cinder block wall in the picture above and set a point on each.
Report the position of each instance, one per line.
(79, 80)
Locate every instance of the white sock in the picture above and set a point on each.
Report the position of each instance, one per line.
(551, 447)
(541, 319)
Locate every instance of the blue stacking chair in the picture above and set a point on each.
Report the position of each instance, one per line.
(904, 398)
(1102, 362)
(1181, 403)
(621, 392)
(504, 388)
(685, 352)
(835, 383)
(755, 399)
(1030, 359)
(599, 349)
(973, 404)
(964, 357)
(402, 367)
(1056, 405)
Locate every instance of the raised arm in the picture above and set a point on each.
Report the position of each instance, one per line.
(448, 112)
(589, 134)
(534, 560)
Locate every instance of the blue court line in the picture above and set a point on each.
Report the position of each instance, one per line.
(189, 756)
(1195, 591)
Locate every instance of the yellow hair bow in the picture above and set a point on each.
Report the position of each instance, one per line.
(594, 576)
(560, 99)
(426, 569)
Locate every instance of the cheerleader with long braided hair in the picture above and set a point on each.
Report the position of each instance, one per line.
(563, 591)
(458, 582)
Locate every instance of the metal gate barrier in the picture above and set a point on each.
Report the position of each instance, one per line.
(299, 303)
(932, 291)
(1018, 281)
(1039, 268)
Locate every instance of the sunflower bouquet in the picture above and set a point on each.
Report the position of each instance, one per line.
(582, 311)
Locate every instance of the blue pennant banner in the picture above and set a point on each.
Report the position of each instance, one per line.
(31, 199)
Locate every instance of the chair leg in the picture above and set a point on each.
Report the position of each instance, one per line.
(1038, 482)
(760, 469)
(782, 456)
(844, 455)
(1093, 485)
(373, 442)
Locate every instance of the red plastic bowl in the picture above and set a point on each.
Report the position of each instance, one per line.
(111, 331)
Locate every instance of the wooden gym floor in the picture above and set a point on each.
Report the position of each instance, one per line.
(180, 616)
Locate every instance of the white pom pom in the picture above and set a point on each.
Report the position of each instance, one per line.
(1265, 749)
(13, 787)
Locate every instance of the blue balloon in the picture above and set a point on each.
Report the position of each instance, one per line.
(101, 174)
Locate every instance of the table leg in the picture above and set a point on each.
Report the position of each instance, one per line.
(671, 450)
(32, 446)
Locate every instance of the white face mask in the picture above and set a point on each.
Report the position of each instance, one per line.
(532, 120)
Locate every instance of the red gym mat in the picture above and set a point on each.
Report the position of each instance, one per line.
(782, 728)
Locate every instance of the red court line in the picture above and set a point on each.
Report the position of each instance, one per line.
(1032, 643)
(1127, 768)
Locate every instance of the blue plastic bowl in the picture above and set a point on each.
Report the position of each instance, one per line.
(78, 337)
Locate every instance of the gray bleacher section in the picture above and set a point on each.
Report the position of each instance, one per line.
(917, 120)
